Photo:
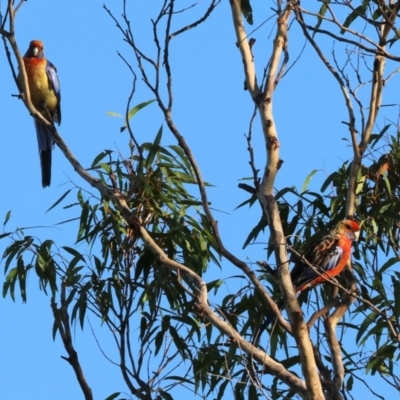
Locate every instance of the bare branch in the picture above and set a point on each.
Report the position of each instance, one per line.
(323, 311)
(210, 9)
(256, 179)
(376, 49)
(61, 318)
(265, 193)
(336, 353)
(245, 50)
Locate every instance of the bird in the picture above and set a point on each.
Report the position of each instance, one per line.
(44, 88)
(328, 256)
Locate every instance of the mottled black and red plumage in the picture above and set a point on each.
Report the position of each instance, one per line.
(323, 259)
(328, 256)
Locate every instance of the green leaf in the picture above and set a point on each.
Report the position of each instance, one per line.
(154, 148)
(178, 341)
(66, 221)
(143, 327)
(99, 265)
(113, 396)
(377, 362)
(82, 308)
(328, 181)
(247, 11)
(99, 157)
(366, 324)
(249, 201)
(54, 330)
(60, 200)
(291, 362)
(180, 379)
(165, 395)
(360, 184)
(83, 220)
(307, 181)
(105, 167)
(360, 10)
(22, 277)
(137, 108)
(113, 114)
(395, 38)
(388, 188)
(374, 139)
(158, 341)
(222, 388)
(262, 224)
(321, 13)
(350, 381)
(388, 264)
(396, 291)
(8, 215)
(9, 284)
(18, 247)
(73, 252)
(214, 285)
(377, 13)
(179, 151)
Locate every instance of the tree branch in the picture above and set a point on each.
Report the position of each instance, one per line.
(61, 319)
(203, 308)
(265, 193)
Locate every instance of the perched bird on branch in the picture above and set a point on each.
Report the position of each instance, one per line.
(44, 88)
(323, 259)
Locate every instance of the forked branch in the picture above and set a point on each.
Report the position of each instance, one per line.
(263, 99)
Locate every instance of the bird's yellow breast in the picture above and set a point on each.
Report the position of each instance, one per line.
(42, 94)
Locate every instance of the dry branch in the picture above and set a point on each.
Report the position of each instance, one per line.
(62, 321)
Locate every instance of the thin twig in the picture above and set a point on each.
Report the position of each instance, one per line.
(210, 9)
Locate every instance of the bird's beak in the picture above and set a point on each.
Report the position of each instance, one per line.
(35, 51)
(356, 235)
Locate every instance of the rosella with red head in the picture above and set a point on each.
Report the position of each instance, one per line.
(328, 256)
(44, 88)
(323, 259)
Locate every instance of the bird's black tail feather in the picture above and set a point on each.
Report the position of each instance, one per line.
(45, 162)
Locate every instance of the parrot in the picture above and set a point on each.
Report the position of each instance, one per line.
(329, 255)
(44, 87)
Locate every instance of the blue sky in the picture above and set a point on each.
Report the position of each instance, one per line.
(211, 110)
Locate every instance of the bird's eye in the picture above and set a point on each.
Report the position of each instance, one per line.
(349, 226)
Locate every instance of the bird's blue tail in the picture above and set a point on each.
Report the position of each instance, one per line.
(45, 143)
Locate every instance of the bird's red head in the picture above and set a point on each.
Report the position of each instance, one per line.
(35, 49)
(349, 225)
(352, 225)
